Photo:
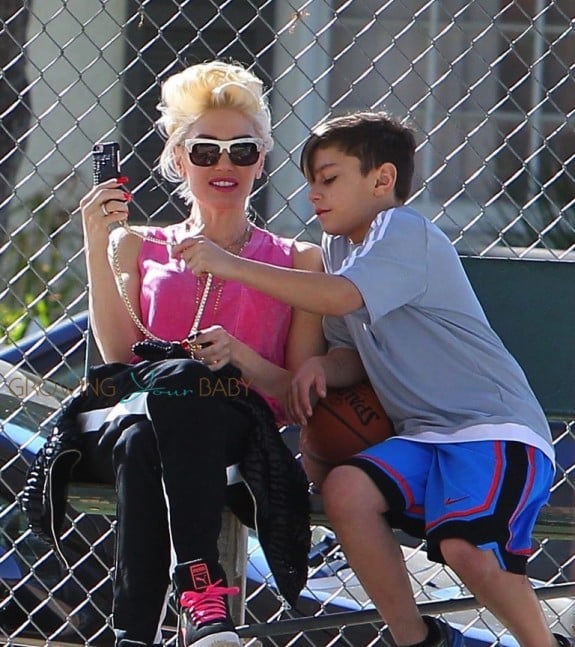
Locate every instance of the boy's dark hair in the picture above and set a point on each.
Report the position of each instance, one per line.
(374, 138)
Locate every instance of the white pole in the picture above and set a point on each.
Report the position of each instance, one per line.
(537, 93)
(299, 99)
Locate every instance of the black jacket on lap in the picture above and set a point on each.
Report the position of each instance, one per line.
(273, 499)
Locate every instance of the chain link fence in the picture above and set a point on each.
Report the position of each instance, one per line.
(488, 85)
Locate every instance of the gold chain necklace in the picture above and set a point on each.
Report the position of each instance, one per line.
(242, 241)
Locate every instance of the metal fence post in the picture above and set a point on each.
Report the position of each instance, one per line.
(233, 547)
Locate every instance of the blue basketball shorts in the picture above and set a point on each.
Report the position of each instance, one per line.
(486, 492)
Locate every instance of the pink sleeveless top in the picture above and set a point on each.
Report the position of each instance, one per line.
(170, 295)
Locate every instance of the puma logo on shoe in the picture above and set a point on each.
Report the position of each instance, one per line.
(204, 618)
(200, 576)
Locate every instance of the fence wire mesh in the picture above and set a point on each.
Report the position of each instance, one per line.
(488, 85)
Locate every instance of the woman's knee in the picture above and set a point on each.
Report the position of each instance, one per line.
(136, 445)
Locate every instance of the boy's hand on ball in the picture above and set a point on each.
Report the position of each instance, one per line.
(307, 385)
(344, 423)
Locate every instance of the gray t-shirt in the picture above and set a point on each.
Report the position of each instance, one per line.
(439, 369)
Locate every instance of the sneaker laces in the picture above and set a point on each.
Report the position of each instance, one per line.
(208, 605)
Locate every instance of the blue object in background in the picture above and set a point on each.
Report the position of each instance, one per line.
(9, 569)
(53, 351)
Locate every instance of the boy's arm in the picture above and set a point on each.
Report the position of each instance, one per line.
(343, 367)
(326, 294)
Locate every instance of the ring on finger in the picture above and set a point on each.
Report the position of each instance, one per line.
(104, 210)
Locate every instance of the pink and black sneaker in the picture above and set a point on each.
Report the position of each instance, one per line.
(204, 619)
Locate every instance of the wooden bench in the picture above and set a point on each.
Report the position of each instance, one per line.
(530, 304)
(554, 522)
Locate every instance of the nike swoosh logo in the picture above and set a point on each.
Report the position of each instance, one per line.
(450, 501)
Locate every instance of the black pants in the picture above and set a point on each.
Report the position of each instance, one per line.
(169, 468)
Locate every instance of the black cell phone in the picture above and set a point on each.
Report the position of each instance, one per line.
(105, 161)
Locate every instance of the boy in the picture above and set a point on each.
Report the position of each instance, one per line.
(472, 461)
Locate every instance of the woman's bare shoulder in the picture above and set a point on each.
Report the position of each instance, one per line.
(126, 243)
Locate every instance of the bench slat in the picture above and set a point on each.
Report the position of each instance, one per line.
(554, 522)
(92, 498)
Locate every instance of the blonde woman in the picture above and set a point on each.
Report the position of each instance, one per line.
(172, 426)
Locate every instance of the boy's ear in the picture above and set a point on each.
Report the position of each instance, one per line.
(385, 178)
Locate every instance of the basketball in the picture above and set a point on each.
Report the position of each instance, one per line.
(343, 423)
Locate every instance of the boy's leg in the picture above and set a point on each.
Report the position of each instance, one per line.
(391, 478)
(355, 507)
(314, 470)
(482, 502)
(509, 596)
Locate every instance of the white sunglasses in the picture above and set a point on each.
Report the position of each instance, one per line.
(244, 151)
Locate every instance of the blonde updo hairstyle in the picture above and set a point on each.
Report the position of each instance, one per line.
(187, 95)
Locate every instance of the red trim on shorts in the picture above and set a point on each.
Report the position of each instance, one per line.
(405, 489)
(520, 507)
